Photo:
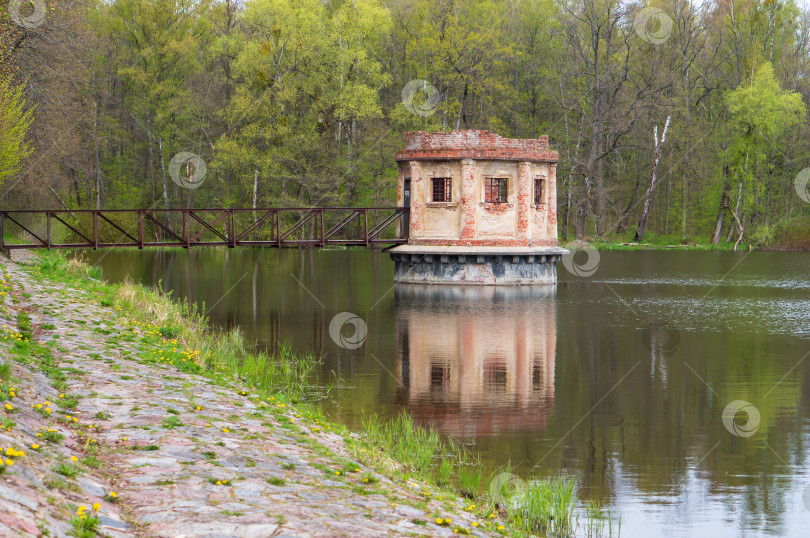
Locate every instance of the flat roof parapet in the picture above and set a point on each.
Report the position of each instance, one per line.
(474, 144)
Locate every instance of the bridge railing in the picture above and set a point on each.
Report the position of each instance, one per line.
(273, 227)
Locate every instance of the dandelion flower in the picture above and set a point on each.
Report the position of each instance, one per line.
(96, 506)
(74, 458)
(113, 494)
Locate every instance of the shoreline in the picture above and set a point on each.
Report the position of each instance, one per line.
(183, 454)
(264, 463)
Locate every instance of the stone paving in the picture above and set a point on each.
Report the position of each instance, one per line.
(183, 456)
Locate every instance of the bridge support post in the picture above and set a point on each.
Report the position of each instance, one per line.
(185, 230)
(95, 230)
(3, 250)
(140, 229)
(233, 229)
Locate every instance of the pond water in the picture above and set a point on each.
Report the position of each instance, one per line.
(620, 380)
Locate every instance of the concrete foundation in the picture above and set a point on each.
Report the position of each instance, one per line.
(511, 266)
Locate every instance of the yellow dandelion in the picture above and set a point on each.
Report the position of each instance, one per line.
(74, 458)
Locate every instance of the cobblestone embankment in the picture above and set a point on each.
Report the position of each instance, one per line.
(151, 451)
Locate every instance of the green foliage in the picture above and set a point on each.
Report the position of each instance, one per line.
(14, 123)
(762, 114)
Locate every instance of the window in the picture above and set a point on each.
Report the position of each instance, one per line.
(495, 190)
(442, 191)
(539, 192)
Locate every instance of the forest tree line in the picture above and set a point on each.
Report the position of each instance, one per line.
(301, 103)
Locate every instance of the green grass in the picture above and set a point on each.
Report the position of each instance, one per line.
(5, 374)
(171, 422)
(543, 507)
(24, 325)
(655, 242)
(470, 477)
(70, 471)
(52, 436)
(86, 527)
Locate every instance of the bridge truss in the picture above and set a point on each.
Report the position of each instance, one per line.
(265, 227)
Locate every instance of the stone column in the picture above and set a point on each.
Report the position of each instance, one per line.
(524, 200)
(417, 200)
(467, 199)
(551, 203)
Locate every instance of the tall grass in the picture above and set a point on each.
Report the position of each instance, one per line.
(540, 507)
(410, 445)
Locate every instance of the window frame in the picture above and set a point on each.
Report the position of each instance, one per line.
(539, 197)
(446, 188)
(502, 190)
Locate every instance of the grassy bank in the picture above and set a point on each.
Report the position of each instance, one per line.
(178, 334)
(790, 234)
(659, 242)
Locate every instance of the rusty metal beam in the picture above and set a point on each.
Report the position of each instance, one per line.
(367, 233)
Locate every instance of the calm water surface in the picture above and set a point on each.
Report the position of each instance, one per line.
(619, 380)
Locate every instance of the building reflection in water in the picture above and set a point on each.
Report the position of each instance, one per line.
(476, 360)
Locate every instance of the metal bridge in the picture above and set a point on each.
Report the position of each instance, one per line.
(186, 228)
